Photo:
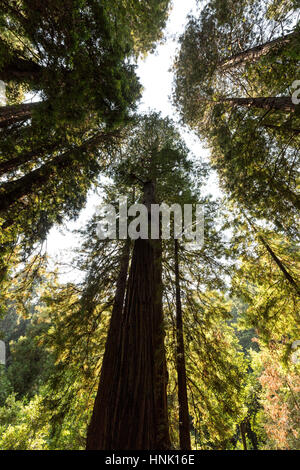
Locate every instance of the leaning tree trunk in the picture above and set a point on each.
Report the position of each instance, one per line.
(255, 53)
(184, 420)
(36, 180)
(281, 266)
(16, 113)
(275, 258)
(280, 103)
(135, 415)
(283, 129)
(29, 156)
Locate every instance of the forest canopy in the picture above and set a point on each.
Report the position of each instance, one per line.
(152, 342)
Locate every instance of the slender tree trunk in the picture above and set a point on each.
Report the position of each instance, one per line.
(16, 113)
(244, 440)
(290, 130)
(135, 415)
(280, 103)
(13, 191)
(254, 53)
(26, 157)
(184, 420)
(281, 266)
(251, 434)
(277, 103)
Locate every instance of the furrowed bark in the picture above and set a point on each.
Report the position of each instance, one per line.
(16, 113)
(135, 417)
(280, 103)
(99, 423)
(184, 420)
(255, 53)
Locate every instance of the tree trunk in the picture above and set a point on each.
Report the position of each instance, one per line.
(277, 103)
(26, 157)
(283, 129)
(184, 420)
(135, 415)
(110, 359)
(254, 53)
(13, 191)
(244, 440)
(280, 103)
(16, 113)
(251, 434)
(20, 71)
(281, 266)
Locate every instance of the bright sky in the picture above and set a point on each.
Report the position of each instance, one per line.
(156, 78)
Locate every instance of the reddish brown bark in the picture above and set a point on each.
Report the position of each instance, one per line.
(16, 113)
(280, 103)
(134, 415)
(254, 53)
(184, 420)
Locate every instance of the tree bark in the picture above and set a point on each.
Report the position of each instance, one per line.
(16, 113)
(254, 53)
(280, 103)
(277, 103)
(281, 266)
(13, 191)
(184, 420)
(251, 434)
(244, 440)
(110, 359)
(26, 157)
(20, 71)
(135, 415)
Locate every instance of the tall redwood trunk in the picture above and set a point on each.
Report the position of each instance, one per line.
(135, 416)
(254, 53)
(16, 113)
(109, 364)
(184, 420)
